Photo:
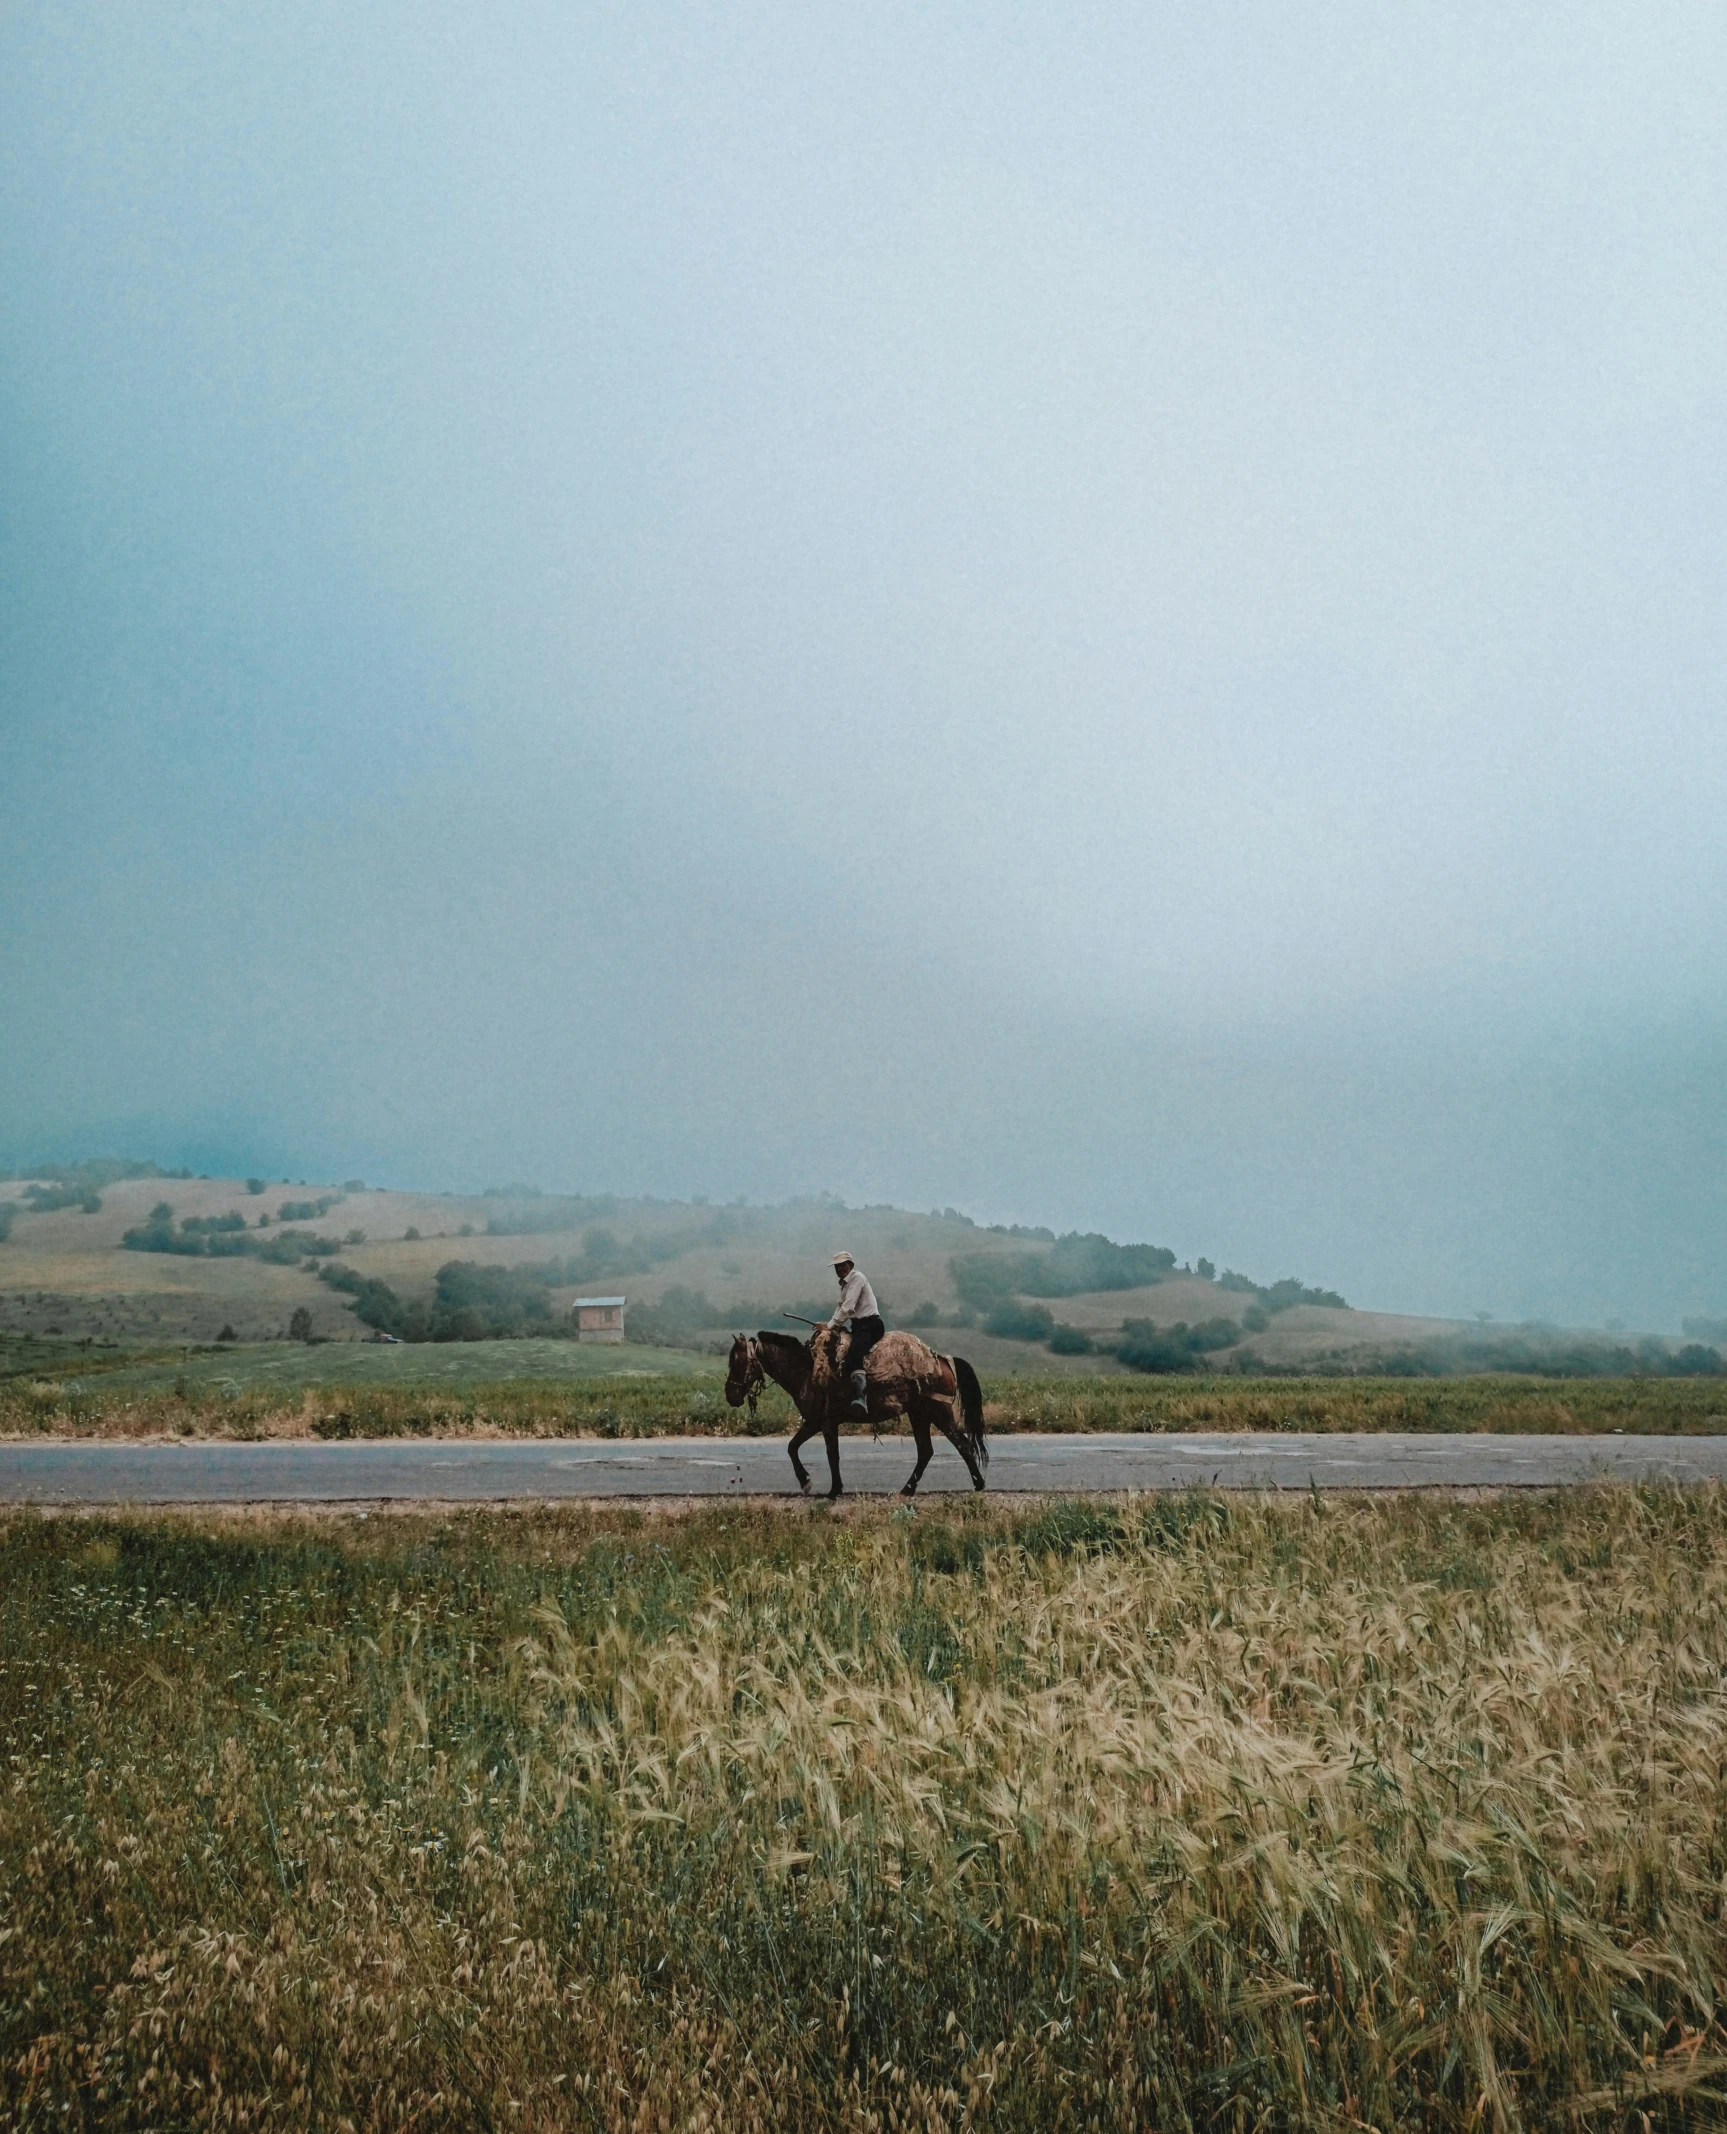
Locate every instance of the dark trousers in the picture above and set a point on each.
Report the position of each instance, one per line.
(865, 1334)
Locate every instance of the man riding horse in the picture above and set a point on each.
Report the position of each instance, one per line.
(933, 1392)
(857, 1310)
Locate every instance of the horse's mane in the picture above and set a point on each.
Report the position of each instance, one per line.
(779, 1341)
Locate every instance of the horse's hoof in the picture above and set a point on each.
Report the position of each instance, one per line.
(834, 1495)
(977, 1481)
(908, 1489)
(804, 1485)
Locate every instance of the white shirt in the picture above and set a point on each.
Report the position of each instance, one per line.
(857, 1299)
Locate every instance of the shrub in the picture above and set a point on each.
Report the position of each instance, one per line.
(157, 1234)
(288, 1247)
(473, 1302)
(71, 1194)
(410, 1235)
(377, 1304)
(1013, 1321)
(984, 1279)
(1070, 1341)
(300, 1325)
(256, 1185)
(1145, 1347)
(1281, 1295)
(1075, 1265)
(683, 1318)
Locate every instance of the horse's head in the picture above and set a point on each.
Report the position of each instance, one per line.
(744, 1373)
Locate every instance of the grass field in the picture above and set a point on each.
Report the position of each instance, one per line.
(353, 1389)
(1399, 1814)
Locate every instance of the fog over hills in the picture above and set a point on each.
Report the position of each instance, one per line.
(123, 1255)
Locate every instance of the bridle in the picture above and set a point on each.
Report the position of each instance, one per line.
(754, 1377)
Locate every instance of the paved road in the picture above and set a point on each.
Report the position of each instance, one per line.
(368, 1470)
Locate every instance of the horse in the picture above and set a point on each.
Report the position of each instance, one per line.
(905, 1376)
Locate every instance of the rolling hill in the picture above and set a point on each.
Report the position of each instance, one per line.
(144, 1259)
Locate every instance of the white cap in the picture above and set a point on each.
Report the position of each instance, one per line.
(844, 1259)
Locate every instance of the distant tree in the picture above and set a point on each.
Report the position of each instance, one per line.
(355, 1237)
(300, 1325)
(410, 1235)
(1205, 1270)
(256, 1185)
(1070, 1341)
(925, 1315)
(1145, 1347)
(1282, 1295)
(227, 1334)
(1011, 1320)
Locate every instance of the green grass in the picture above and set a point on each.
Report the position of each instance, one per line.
(553, 1388)
(1164, 1813)
(292, 1366)
(1486, 1402)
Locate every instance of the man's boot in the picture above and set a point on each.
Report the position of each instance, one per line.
(860, 1393)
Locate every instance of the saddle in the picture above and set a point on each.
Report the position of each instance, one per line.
(897, 1368)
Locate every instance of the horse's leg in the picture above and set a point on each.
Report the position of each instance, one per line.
(831, 1432)
(920, 1432)
(959, 1439)
(803, 1437)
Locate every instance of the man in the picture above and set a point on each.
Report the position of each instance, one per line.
(857, 1309)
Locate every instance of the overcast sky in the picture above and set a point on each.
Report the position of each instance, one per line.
(1110, 615)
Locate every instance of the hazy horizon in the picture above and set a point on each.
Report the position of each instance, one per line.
(1112, 621)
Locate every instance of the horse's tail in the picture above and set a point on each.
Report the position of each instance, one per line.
(971, 1407)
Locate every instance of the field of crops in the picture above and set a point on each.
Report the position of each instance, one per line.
(560, 1388)
(1410, 1813)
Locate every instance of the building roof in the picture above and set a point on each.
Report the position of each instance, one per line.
(578, 1304)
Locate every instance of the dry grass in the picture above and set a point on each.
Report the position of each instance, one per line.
(649, 1407)
(207, 1402)
(1390, 1814)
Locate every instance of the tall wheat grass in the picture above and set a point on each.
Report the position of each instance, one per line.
(1390, 1814)
(105, 1405)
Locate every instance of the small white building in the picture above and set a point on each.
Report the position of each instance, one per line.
(598, 1318)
